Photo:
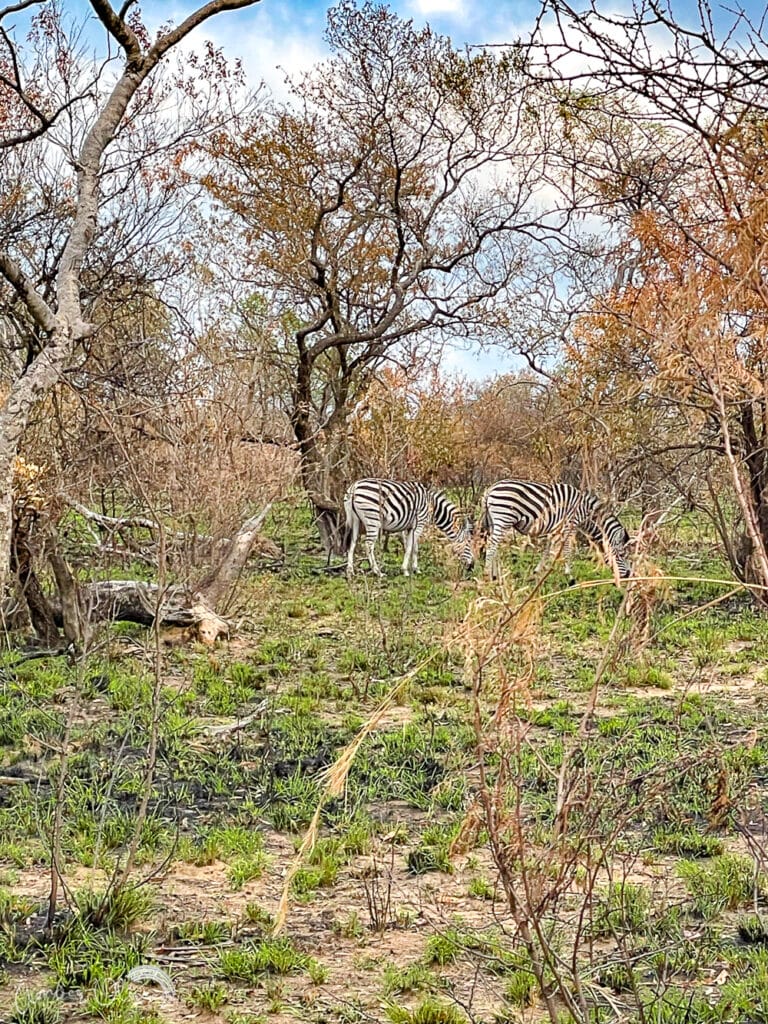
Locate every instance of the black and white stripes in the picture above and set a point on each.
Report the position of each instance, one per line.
(541, 510)
(556, 511)
(388, 506)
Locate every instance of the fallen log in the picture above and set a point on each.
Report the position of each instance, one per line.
(77, 607)
(146, 605)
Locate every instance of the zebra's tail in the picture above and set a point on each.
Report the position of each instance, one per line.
(349, 513)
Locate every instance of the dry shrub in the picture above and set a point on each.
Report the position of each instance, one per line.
(648, 589)
(500, 640)
(173, 442)
(454, 433)
(548, 866)
(644, 596)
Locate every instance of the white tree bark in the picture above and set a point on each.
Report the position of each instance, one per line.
(221, 581)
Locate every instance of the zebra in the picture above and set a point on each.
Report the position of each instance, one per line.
(389, 506)
(541, 510)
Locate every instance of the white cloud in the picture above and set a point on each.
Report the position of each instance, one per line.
(269, 55)
(272, 43)
(455, 8)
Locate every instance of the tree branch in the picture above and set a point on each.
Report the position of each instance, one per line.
(21, 6)
(37, 306)
(196, 18)
(116, 26)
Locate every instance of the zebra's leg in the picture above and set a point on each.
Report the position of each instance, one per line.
(407, 559)
(370, 546)
(352, 546)
(546, 556)
(415, 550)
(558, 542)
(491, 556)
(570, 537)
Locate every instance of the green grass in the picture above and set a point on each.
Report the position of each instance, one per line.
(621, 908)
(416, 977)
(36, 1008)
(210, 997)
(664, 777)
(430, 1011)
(253, 961)
(687, 842)
(203, 933)
(481, 889)
(725, 883)
(113, 1003)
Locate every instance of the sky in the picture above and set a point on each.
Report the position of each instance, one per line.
(275, 37)
(288, 34)
(279, 38)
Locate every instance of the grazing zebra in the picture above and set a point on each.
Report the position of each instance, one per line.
(541, 510)
(387, 506)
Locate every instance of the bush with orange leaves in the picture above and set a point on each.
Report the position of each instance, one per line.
(458, 434)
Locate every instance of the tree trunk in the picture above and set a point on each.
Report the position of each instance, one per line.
(753, 550)
(29, 589)
(75, 619)
(77, 608)
(313, 477)
(24, 394)
(328, 522)
(65, 327)
(756, 460)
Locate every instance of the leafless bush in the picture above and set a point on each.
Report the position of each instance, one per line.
(177, 440)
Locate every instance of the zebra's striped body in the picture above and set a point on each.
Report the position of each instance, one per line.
(544, 510)
(388, 506)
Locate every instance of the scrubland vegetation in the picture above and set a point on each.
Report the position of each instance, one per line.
(236, 786)
(547, 810)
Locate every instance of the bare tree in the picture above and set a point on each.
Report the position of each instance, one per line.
(690, 69)
(96, 113)
(390, 204)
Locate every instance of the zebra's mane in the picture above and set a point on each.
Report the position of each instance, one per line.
(608, 524)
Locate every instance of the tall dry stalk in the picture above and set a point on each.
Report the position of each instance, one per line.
(502, 644)
(333, 780)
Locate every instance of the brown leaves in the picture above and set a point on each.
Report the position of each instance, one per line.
(453, 433)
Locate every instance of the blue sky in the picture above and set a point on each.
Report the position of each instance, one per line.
(288, 34)
(276, 38)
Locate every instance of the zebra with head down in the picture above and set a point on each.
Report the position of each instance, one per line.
(546, 510)
(380, 507)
